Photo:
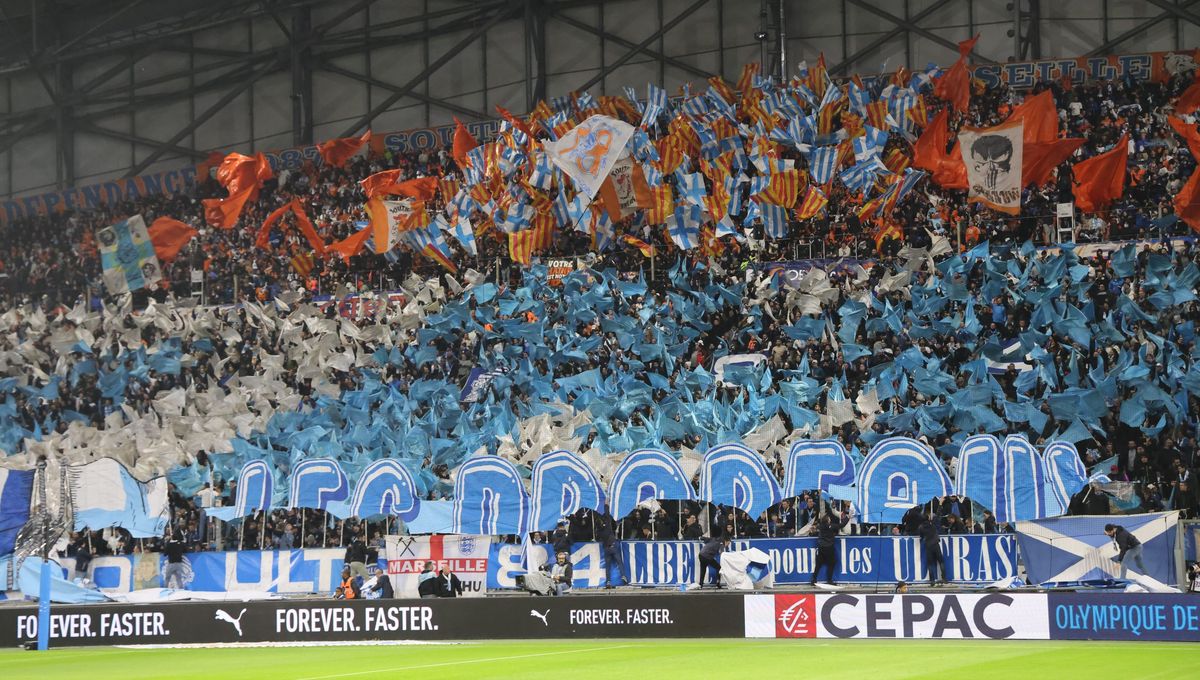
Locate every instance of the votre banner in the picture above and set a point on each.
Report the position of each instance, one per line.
(993, 158)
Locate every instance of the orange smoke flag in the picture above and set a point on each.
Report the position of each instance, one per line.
(264, 232)
(1040, 158)
(644, 248)
(464, 141)
(169, 236)
(1100, 179)
(1040, 117)
(1187, 202)
(336, 152)
(955, 85)
(352, 244)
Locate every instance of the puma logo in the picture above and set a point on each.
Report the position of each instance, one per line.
(222, 615)
(534, 612)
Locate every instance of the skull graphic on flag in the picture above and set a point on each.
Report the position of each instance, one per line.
(993, 158)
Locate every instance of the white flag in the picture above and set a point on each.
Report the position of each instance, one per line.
(398, 215)
(993, 157)
(588, 152)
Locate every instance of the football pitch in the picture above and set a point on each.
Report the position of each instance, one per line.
(875, 659)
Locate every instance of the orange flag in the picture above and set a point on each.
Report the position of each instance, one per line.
(1040, 117)
(204, 167)
(1040, 158)
(349, 246)
(264, 231)
(955, 85)
(463, 142)
(169, 236)
(1100, 179)
(1190, 99)
(337, 152)
(242, 176)
(1187, 202)
(306, 228)
(1189, 134)
(385, 184)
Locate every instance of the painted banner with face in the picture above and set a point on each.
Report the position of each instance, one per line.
(993, 157)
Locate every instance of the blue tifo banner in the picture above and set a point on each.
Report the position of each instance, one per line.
(310, 570)
(1070, 549)
(1124, 616)
(972, 558)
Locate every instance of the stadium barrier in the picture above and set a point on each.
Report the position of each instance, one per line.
(862, 560)
(982, 616)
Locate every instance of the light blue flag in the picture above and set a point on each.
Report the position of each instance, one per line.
(734, 475)
(104, 494)
(898, 474)
(817, 465)
(490, 498)
(16, 491)
(316, 483)
(562, 484)
(385, 488)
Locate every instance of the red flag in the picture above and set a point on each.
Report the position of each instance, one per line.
(337, 152)
(463, 143)
(349, 246)
(1041, 158)
(169, 236)
(955, 84)
(1040, 117)
(1100, 179)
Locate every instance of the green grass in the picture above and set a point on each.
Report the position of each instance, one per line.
(608, 659)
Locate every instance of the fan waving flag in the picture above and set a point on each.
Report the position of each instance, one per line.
(588, 152)
(993, 158)
(127, 256)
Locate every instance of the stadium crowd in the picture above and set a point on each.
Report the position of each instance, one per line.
(902, 337)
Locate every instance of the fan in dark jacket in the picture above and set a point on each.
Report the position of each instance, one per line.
(932, 542)
(827, 529)
(448, 584)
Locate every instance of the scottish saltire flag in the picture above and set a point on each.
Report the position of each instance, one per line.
(815, 465)
(255, 486)
(127, 256)
(898, 474)
(317, 482)
(736, 476)
(104, 494)
(822, 164)
(1067, 549)
(647, 474)
(489, 498)
(684, 226)
(16, 492)
(385, 487)
(588, 152)
(562, 484)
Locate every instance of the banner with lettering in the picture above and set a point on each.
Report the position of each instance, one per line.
(504, 564)
(968, 558)
(467, 557)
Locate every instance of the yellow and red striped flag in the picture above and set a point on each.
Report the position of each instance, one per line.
(814, 202)
(646, 249)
